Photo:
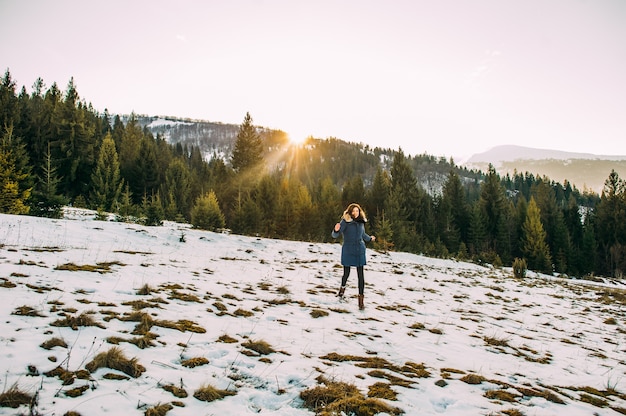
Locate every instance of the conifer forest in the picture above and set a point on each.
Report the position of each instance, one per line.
(57, 150)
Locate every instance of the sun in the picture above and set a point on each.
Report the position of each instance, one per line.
(298, 138)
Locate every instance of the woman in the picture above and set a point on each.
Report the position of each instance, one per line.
(352, 227)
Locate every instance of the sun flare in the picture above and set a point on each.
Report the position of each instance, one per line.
(298, 138)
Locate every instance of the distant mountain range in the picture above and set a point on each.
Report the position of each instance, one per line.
(584, 170)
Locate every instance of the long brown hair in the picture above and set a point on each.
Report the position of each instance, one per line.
(348, 212)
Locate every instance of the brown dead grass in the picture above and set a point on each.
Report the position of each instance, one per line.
(209, 393)
(115, 359)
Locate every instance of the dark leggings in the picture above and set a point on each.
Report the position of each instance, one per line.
(359, 272)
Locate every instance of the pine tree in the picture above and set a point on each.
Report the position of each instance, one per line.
(492, 204)
(384, 233)
(15, 182)
(534, 243)
(178, 186)
(46, 202)
(266, 198)
(611, 224)
(248, 151)
(127, 208)
(206, 213)
(106, 181)
(153, 209)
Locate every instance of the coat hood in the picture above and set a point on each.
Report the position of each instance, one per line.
(348, 218)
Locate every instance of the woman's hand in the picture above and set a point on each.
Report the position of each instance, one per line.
(337, 227)
(373, 238)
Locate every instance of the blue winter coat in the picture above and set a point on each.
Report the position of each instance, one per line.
(354, 237)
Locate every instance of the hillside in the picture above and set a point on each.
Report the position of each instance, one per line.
(585, 170)
(116, 318)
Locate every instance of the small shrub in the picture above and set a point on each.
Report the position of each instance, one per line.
(519, 268)
(208, 393)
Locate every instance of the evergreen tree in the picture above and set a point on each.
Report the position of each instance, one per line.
(206, 213)
(477, 233)
(15, 183)
(127, 208)
(75, 143)
(9, 106)
(178, 185)
(46, 202)
(248, 151)
(329, 205)
(534, 243)
(153, 209)
(378, 193)
(453, 212)
(266, 198)
(384, 233)
(106, 181)
(611, 225)
(353, 191)
(492, 204)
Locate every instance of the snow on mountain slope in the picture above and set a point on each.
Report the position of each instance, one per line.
(445, 337)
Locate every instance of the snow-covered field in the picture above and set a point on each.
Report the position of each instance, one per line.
(258, 320)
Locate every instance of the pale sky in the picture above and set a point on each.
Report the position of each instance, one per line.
(445, 77)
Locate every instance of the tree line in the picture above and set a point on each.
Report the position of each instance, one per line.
(57, 150)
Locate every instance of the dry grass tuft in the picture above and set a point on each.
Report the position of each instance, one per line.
(334, 398)
(512, 412)
(227, 339)
(473, 378)
(208, 393)
(53, 342)
(243, 312)
(382, 391)
(194, 362)
(74, 322)
(76, 391)
(25, 310)
(14, 397)
(185, 297)
(318, 313)
(114, 358)
(260, 347)
(145, 290)
(176, 391)
(182, 325)
(159, 410)
(501, 395)
(99, 267)
(496, 342)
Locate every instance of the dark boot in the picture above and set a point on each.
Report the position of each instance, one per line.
(342, 289)
(361, 306)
